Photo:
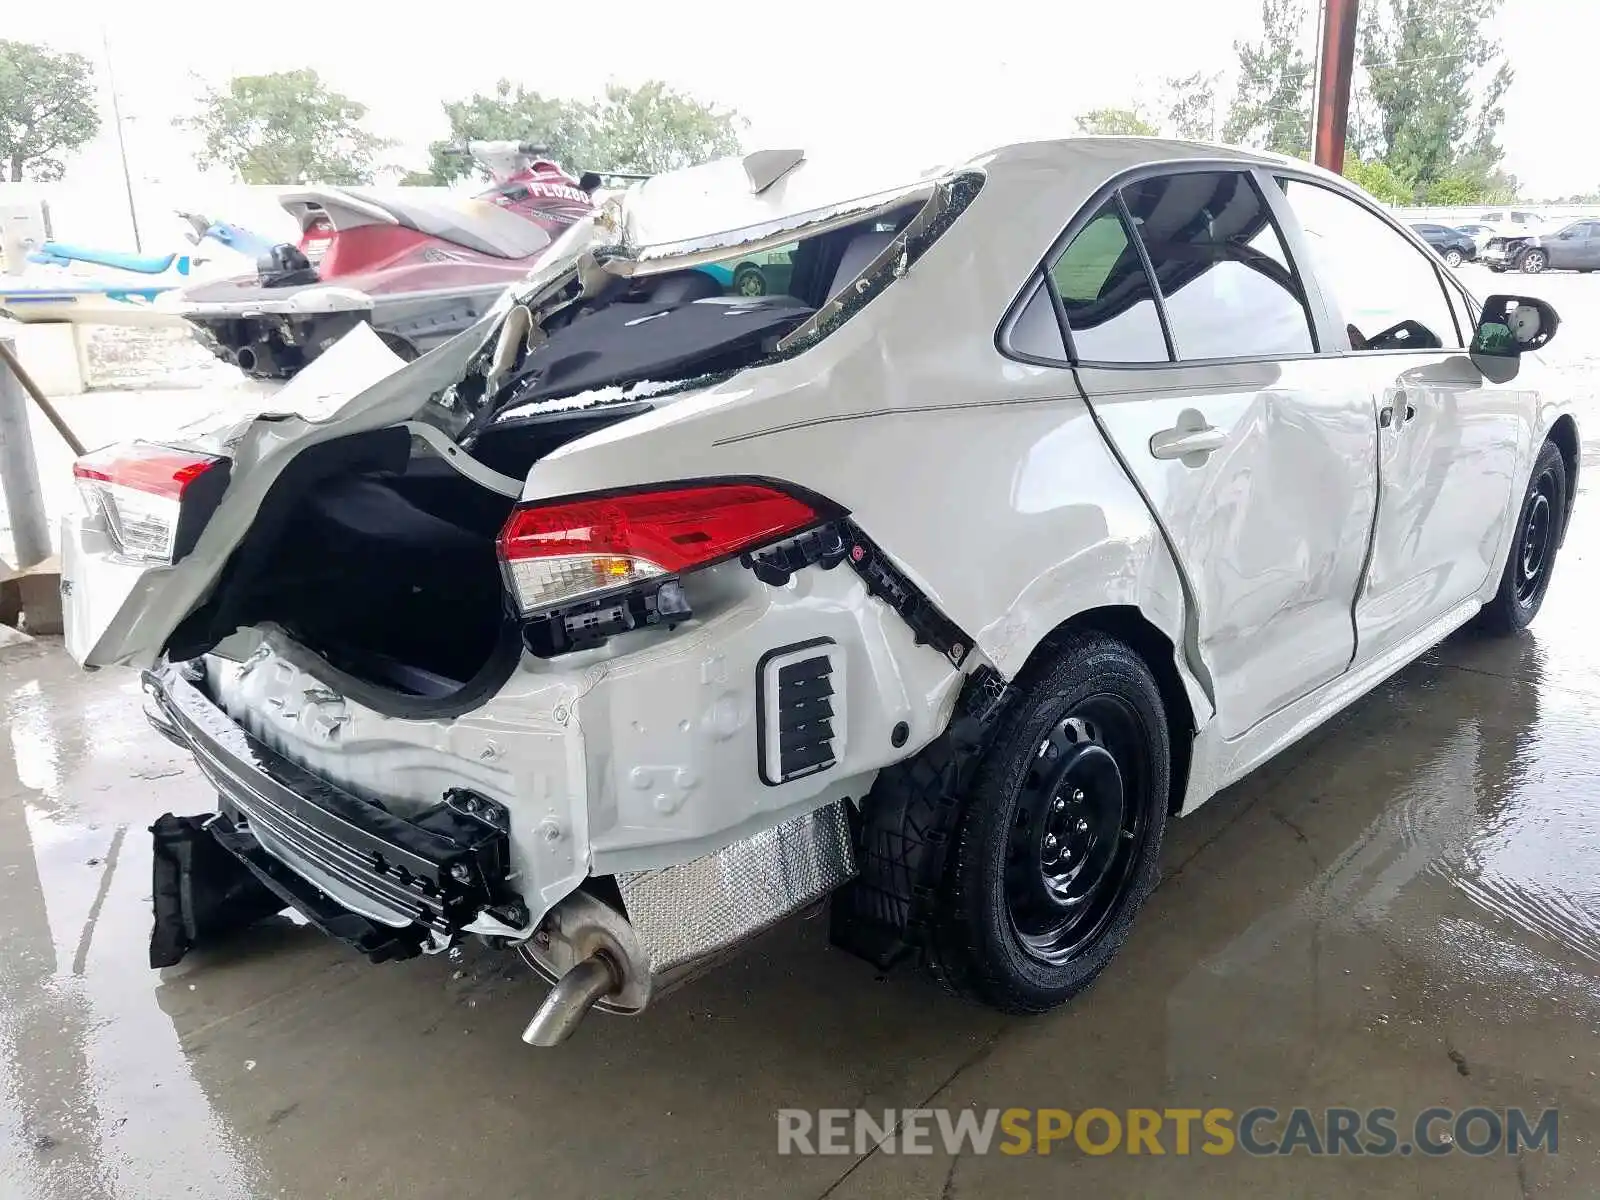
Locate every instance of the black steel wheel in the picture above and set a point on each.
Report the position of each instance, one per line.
(1060, 835)
(1534, 542)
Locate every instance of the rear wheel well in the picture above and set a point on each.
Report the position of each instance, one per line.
(1564, 434)
(1127, 624)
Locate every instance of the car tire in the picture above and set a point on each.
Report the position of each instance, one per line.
(1059, 837)
(749, 281)
(1454, 257)
(1541, 521)
(1533, 262)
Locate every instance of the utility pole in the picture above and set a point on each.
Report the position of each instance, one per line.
(1336, 64)
(122, 145)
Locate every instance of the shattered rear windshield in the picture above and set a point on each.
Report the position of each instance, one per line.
(700, 320)
(645, 334)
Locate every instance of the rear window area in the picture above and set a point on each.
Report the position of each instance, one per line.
(700, 320)
(1187, 266)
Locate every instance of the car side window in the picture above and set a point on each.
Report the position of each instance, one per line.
(1387, 289)
(1106, 294)
(1220, 266)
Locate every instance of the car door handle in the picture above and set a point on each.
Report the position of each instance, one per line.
(1398, 413)
(1192, 446)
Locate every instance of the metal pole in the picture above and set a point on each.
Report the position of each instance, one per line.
(8, 362)
(19, 473)
(1336, 65)
(122, 146)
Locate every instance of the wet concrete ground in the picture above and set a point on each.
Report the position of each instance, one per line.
(1403, 911)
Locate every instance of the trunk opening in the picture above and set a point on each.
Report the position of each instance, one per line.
(381, 562)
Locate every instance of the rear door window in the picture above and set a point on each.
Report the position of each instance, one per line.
(1106, 293)
(1220, 266)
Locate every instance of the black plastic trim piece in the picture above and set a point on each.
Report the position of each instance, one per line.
(761, 704)
(884, 580)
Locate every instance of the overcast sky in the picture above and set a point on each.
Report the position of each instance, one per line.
(965, 77)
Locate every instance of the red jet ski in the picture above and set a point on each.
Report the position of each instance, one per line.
(418, 270)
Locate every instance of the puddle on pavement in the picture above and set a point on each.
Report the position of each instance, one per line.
(99, 1097)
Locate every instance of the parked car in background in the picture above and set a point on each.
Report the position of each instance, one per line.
(1515, 216)
(1452, 245)
(1479, 233)
(1574, 246)
(1060, 488)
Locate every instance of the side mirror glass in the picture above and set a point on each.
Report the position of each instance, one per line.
(1511, 325)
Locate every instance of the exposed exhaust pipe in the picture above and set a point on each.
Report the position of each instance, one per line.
(570, 1000)
(246, 358)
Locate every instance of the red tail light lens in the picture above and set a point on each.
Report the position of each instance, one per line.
(153, 499)
(557, 554)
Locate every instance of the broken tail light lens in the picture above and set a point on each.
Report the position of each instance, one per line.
(154, 499)
(566, 552)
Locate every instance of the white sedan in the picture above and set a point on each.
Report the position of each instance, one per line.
(1058, 489)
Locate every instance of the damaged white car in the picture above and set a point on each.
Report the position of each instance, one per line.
(1053, 492)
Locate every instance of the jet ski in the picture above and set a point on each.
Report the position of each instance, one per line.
(418, 267)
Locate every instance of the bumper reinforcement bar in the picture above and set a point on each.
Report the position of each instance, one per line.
(384, 883)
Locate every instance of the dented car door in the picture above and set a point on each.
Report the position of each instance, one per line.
(1196, 348)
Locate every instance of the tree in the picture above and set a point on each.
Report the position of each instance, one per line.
(1117, 121)
(47, 109)
(1192, 106)
(654, 128)
(1271, 107)
(289, 127)
(1455, 188)
(1379, 180)
(638, 130)
(1423, 60)
(510, 114)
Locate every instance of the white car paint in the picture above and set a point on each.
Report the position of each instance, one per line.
(1305, 556)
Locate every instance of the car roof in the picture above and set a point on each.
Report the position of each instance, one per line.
(793, 187)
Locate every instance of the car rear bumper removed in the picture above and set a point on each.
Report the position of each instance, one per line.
(393, 887)
(387, 885)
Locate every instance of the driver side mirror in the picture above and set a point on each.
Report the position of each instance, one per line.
(1511, 325)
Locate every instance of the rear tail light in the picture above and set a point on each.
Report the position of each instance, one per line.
(567, 552)
(154, 499)
(315, 240)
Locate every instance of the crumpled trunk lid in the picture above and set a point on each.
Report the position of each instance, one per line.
(124, 612)
(120, 611)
